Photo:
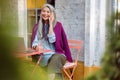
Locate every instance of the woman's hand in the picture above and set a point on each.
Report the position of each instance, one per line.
(36, 48)
(51, 19)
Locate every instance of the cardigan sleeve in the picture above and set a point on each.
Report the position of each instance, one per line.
(34, 31)
(65, 45)
(61, 44)
(36, 40)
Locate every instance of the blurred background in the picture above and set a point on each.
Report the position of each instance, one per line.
(84, 20)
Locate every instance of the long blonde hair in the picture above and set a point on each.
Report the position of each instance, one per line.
(40, 24)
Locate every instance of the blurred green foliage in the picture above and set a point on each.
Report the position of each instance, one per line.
(12, 68)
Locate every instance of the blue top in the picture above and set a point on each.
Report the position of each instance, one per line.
(46, 45)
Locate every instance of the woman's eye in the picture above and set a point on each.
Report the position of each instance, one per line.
(48, 12)
(43, 11)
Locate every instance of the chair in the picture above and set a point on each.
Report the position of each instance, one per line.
(73, 44)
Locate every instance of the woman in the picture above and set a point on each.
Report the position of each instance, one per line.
(51, 35)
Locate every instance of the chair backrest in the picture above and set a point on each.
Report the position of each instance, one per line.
(75, 44)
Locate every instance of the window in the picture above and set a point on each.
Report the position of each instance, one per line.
(33, 11)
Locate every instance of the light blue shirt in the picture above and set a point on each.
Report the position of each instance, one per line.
(46, 45)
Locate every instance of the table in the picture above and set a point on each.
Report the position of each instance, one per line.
(25, 54)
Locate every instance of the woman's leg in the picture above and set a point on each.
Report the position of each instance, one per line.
(56, 63)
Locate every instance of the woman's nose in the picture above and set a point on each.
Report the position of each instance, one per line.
(45, 13)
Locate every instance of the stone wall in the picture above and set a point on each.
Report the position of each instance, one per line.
(72, 15)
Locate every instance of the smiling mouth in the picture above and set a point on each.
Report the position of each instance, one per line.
(45, 16)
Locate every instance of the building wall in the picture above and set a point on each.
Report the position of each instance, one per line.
(9, 16)
(95, 31)
(22, 20)
(72, 15)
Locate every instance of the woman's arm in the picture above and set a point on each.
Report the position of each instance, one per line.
(52, 37)
(51, 20)
(35, 41)
(51, 34)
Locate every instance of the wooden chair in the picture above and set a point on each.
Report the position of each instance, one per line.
(73, 44)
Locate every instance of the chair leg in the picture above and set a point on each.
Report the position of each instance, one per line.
(66, 73)
(73, 72)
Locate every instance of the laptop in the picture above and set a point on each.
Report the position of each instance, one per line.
(19, 46)
(19, 49)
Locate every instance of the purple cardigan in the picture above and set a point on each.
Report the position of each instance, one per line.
(61, 44)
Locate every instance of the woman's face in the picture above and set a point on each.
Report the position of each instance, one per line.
(45, 13)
